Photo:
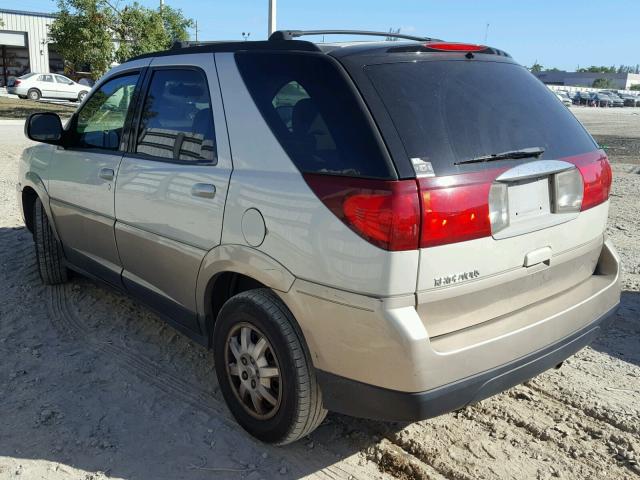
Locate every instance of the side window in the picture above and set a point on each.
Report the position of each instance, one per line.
(177, 120)
(314, 114)
(285, 100)
(63, 80)
(100, 123)
(45, 78)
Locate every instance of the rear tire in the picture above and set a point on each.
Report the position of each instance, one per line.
(295, 407)
(49, 255)
(34, 94)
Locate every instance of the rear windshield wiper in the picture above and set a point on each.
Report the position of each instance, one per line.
(512, 154)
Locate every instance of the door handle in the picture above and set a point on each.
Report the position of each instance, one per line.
(204, 190)
(106, 173)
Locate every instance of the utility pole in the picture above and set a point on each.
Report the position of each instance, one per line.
(272, 16)
(161, 5)
(486, 34)
(196, 30)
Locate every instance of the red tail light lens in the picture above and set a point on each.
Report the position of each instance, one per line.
(596, 176)
(455, 208)
(16, 83)
(427, 212)
(455, 47)
(385, 213)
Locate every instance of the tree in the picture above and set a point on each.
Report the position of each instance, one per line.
(635, 87)
(603, 83)
(141, 30)
(594, 69)
(81, 35)
(554, 69)
(536, 67)
(93, 34)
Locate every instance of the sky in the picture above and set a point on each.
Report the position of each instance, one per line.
(563, 34)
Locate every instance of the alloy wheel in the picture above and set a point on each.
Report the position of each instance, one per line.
(253, 371)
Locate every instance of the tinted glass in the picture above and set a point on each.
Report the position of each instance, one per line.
(101, 121)
(45, 78)
(313, 113)
(451, 111)
(177, 120)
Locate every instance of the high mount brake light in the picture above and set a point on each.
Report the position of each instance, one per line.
(428, 212)
(455, 47)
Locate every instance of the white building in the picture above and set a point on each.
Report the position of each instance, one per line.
(24, 44)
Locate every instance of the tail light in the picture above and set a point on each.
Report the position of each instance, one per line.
(16, 82)
(596, 176)
(385, 213)
(431, 211)
(455, 208)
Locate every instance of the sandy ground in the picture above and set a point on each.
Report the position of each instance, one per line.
(94, 386)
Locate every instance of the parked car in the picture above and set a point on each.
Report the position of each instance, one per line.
(360, 250)
(630, 100)
(582, 98)
(564, 98)
(616, 101)
(600, 99)
(47, 85)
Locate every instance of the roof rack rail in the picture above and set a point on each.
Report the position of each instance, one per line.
(291, 34)
(189, 43)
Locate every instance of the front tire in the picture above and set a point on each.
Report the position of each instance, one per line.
(34, 94)
(264, 370)
(49, 256)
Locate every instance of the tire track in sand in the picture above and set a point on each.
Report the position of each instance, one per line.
(71, 326)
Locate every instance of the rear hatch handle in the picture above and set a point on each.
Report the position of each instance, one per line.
(540, 255)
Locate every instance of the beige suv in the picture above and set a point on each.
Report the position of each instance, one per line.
(385, 230)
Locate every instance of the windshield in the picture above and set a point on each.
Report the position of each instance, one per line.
(449, 111)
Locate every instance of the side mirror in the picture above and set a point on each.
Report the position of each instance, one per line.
(45, 127)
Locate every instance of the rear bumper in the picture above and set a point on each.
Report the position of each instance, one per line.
(354, 398)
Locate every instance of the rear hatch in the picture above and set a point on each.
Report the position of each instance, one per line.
(512, 188)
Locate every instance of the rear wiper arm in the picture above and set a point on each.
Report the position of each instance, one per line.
(512, 154)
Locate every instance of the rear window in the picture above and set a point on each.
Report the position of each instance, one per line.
(450, 111)
(314, 113)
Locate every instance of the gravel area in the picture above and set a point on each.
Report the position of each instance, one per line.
(94, 386)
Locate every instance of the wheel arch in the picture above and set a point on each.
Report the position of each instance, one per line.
(231, 269)
(33, 188)
(29, 197)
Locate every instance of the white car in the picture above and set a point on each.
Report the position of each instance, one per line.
(47, 85)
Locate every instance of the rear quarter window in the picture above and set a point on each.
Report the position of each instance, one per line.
(447, 111)
(314, 113)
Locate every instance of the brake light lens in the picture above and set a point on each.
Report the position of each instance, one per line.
(16, 82)
(455, 47)
(455, 208)
(596, 176)
(432, 211)
(385, 213)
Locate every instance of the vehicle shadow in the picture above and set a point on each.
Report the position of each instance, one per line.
(91, 380)
(622, 339)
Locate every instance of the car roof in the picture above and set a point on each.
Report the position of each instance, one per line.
(286, 41)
